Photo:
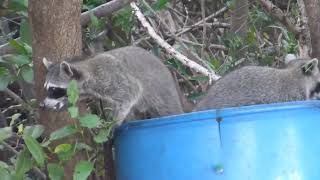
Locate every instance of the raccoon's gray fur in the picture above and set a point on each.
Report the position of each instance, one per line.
(130, 78)
(300, 80)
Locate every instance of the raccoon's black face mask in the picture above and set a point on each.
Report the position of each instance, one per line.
(56, 92)
(56, 98)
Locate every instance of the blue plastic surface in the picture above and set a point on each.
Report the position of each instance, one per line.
(262, 142)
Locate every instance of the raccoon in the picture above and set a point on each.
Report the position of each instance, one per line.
(249, 85)
(130, 78)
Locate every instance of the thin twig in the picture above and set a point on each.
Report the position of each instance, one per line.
(222, 10)
(204, 28)
(182, 58)
(278, 14)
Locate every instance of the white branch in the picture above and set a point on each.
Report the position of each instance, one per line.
(182, 58)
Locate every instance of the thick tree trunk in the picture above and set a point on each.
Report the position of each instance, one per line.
(313, 13)
(56, 36)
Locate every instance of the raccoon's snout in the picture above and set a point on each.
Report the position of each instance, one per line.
(55, 104)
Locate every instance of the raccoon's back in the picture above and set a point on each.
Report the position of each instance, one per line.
(252, 85)
(159, 88)
(145, 67)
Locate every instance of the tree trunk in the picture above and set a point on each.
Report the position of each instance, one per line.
(239, 17)
(313, 13)
(56, 35)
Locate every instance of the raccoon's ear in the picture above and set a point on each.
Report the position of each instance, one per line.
(46, 62)
(70, 70)
(310, 67)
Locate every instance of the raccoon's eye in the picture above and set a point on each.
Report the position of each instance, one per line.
(55, 92)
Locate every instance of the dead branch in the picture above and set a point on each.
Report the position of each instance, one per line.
(103, 10)
(183, 59)
(222, 10)
(278, 14)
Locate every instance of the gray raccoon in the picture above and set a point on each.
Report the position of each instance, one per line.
(133, 80)
(249, 85)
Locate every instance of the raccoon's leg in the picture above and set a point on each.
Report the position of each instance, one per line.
(122, 110)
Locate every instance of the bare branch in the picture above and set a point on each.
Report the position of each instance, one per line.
(183, 59)
(278, 14)
(104, 10)
(17, 98)
(222, 10)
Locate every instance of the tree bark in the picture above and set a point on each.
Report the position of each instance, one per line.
(56, 35)
(313, 13)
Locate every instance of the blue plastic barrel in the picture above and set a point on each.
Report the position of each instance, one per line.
(262, 142)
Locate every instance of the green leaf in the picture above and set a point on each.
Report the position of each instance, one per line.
(5, 133)
(19, 60)
(34, 131)
(195, 96)
(90, 121)
(27, 73)
(4, 165)
(200, 78)
(159, 5)
(21, 49)
(82, 170)
(35, 149)
(56, 171)
(73, 111)
(25, 32)
(18, 5)
(65, 151)
(14, 118)
(4, 174)
(23, 165)
(62, 132)
(3, 71)
(4, 82)
(103, 135)
(94, 20)
(62, 148)
(73, 92)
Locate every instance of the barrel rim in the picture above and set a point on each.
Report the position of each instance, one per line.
(214, 113)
